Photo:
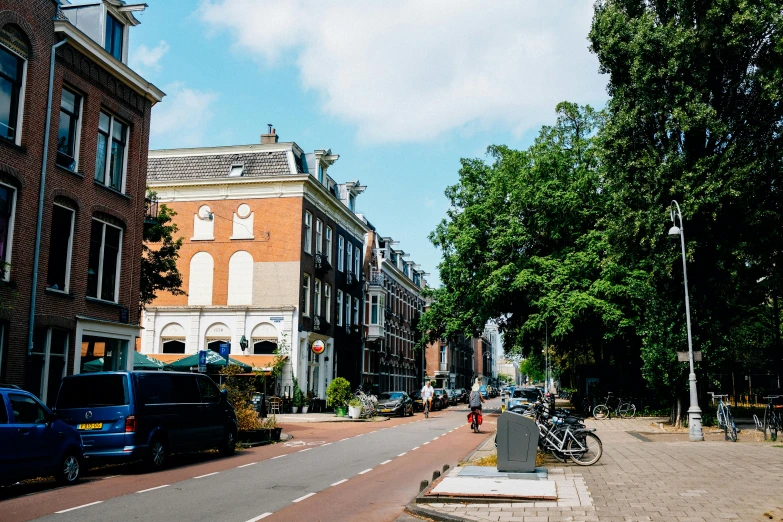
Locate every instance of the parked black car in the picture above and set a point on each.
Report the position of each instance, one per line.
(395, 403)
(443, 396)
(147, 415)
(34, 442)
(463, 395)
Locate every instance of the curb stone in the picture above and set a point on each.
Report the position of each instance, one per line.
(416, 509)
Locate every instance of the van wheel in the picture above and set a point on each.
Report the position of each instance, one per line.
(69, 471)
(158, 452)
(229, 445)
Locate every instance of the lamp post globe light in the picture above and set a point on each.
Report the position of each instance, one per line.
(694, 412)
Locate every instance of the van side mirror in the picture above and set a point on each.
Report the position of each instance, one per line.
(223, 395)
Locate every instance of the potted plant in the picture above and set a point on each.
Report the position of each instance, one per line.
(297, 398)
(270, 425)
(306, 406)
(338, 394)
(240, 392)
(355, 408)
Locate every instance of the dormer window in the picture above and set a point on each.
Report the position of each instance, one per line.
(236, 171)
(114, 36)
(352, 203)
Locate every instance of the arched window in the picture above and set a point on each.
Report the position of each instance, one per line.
(173, 346)
(240, 278)
(265, 338)
(264, 348)
(172, 338)
(14, 53)
(200, 285)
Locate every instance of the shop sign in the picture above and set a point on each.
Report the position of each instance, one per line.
(318, 347)
(202, 361)
(276, 319)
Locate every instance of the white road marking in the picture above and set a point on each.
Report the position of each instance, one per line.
(365, 471)
(306, 449)
(151, 489)
(417, 447)
(302, 498)
(339, 482)
(259, 517)
(207, 475)
(385, 462)
(79, 507)
(252, 463)
(436, 438)
(278, 457)
(426, 443)
(327, 444)
(346, 438)
(402, 454)
(110, 476)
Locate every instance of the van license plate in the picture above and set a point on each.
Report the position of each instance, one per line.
(91, 426)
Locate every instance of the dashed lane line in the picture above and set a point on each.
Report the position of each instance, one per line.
(327, 444)
(152, 489)
(207, 475)
(79, 507)
(278, 457)
(339, 482)
(402, 454)
(417, 447)
(346, 438)
(259, 517)
(251, 464)
(306, 449)
(302, 498)
(385, 462)
(365, 471)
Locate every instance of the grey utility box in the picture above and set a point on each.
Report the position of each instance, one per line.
(517, 442)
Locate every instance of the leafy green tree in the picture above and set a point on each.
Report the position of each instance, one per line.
(695, 115)
(160, 252)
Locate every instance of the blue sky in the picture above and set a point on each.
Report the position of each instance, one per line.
(400, 90)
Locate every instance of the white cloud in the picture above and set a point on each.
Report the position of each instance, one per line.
(145, 59)
(410, 70)
(183, 117)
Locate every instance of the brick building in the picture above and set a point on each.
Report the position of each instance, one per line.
(89, 172)
(271, 254)
(450, 363)
(394, 304)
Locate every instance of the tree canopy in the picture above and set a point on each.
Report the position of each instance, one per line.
(160, 252)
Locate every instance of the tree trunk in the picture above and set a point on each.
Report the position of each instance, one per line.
(678, 409)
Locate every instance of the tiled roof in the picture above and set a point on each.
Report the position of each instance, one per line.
(256, 164)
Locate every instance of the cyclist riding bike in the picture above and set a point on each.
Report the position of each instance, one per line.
(476, 399)
(426, 396)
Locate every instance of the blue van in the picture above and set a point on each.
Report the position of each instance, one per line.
(34, 442)
(147, 415)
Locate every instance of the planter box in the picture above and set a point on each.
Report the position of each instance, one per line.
(275, 433)
(340, 411)
(355, 412)
(254, 436)
(305, 409)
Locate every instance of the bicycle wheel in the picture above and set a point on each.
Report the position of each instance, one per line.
(601, 411)
(586, 448)
(773, 428)
(732, 430)
(626, 409)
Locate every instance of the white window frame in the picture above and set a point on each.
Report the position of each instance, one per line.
(328, 302)
(11, 221)
(355, 310)
(106, 178)
(99, 289)
(348, 256)
(328, 251)
(319, 236)
(308, 223)
(356, 260)
(67, 287)
(22, 89)
(340, 253)
(77, 141)
(347, 309)
(317, 298)
(47, 353)
(306, 290)
(339, 307)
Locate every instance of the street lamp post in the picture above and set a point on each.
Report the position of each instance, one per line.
(694, 412)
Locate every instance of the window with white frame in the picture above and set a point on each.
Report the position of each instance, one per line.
(339, 307)
(69, 130)
(347, 309)
(308, 239)
(7, 216)
(48, 362)
(340, 248)
(377, 305)
(443, 355)
(348, 256)
(306, 292)
(327, 303)
(112, 153)
(60, 247)
(317, 299)
(319, 236)
(328, 246)
(355, 311)
(14, 52)
(356, 261)
(103, 281)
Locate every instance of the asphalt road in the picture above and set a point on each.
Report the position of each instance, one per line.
(332, 471)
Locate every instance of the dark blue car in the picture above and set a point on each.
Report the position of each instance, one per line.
(34, 442)
(146, 415)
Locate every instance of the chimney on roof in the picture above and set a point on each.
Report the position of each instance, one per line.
(270, 136)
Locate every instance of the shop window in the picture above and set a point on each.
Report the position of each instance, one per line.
(264, 347)
(103, 272)
(103, 354)
(173, 346)
(214, 345)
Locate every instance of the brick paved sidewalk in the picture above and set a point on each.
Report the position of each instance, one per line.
(650, 478)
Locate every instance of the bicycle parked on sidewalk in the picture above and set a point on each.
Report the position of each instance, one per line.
(566, 437)
(725, 418)
(623, 409)
(772, 420)
(368, 403)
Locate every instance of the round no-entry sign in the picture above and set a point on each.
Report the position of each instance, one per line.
(318, 347)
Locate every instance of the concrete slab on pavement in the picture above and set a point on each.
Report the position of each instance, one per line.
(455, 485)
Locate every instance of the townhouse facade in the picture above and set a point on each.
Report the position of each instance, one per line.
(270, 260)
(394, 304)
(450, 363)
(74, 135)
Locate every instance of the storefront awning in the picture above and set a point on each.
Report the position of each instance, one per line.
(257, 362)
(167, 358)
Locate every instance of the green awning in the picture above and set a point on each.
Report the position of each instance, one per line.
(214, 363)
(140, 362)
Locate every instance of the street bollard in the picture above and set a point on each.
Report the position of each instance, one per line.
(435, 475)
(423, 485)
